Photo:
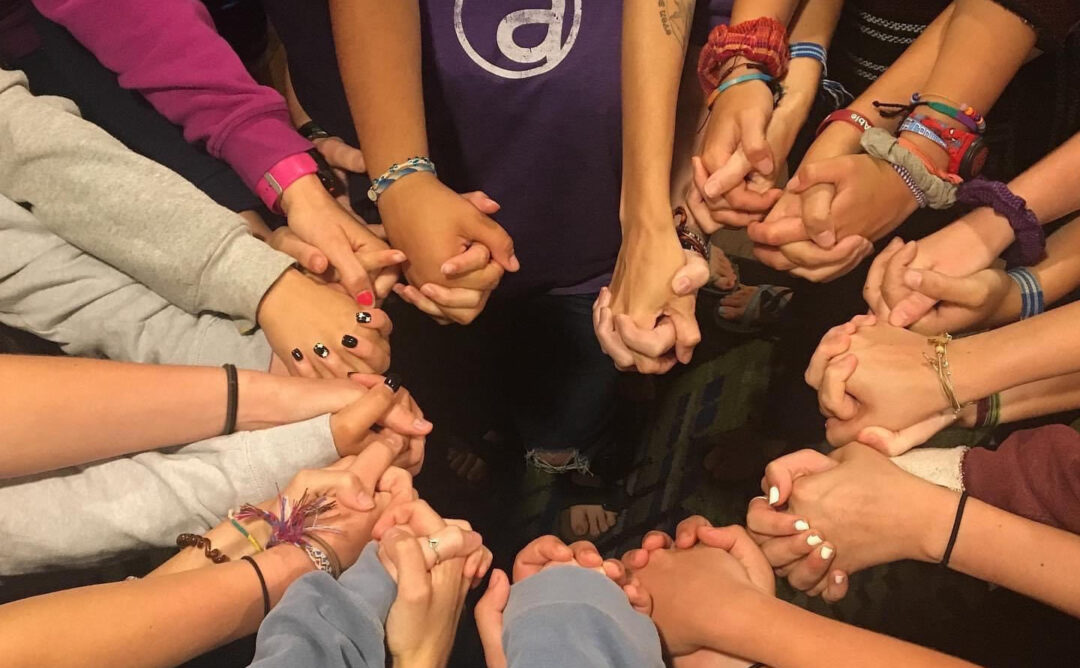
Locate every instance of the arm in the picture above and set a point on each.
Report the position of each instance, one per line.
(83, 516)
(165, 617)
(171, 54)
(155, 226)
(320, 622)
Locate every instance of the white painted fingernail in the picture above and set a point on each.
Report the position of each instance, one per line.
(826, 552)
(801, 525)
(838, 578)
(774, 495)
(813, 540)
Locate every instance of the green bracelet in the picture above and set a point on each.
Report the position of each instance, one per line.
(244, 532)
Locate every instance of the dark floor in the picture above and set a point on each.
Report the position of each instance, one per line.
(716, 405)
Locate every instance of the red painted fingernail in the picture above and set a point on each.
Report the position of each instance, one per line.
(366, 298)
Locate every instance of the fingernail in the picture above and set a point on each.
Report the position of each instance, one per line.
(393, 381)
(813, 540)
(774, 495)
(421, 423)
(766, 166)
(793, 182)
(801, 525)
(400, 257)
(826, 239)
(349, 341)
(515, 264)
(826, 552)
(838, 578)
(366, 298)
(912, 279)
(297, 355)
(682, 285)
(447, 269)
(363, 317)
(321, 350)
(427, 290)
(364, 501)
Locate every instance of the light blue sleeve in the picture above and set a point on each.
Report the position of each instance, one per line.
(570, 616)
(320, 622)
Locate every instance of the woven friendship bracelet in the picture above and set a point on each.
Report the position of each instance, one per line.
(811, 50)
(398, 172)
(762, 41)
(878, 143)
(1032, 300)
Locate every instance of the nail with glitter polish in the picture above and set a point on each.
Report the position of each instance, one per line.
(363, 317)
(393, 381)
(321, 350)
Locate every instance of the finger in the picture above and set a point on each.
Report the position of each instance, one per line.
(814, 568)
(753, 142)
(309, 257)
(836, 342)
(746, 200)
(489, 618)
(376, 459)
(810, 255)
(375, 261)
(821, 172)
(833, 398)
(730, 173)
(691, 276)
(687, 335)
(341, 155)
(413, 296)
(452, 297)
(828, 272)
(695, 202)
(299, 365)
(772, 257)
(482, 202)
(474, 258)
(648, 342)
(403, 417)
(965, 291)
(611, 343)
(786, 550)
(344, 485)
(736, 541)
(892, 286)
(639, 598)
(837, 586)
(418, 516)
(449, 543)
(413, 582)
(875, 277)
(761, 518)
(778, 232)
(912, 309)
(817, 203)
(375, 319)
(397, 482)
(686, 533)
(780, 474)
(893, 443)
(354, 422)
(489, 233)
(586, 554)
(538, 554)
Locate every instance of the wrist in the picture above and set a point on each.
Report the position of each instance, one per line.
(259, 403)
(407, 189)
(306, 192)
(649, 220)
(277, 295)
(931, 523)
(971, 369)
(281, 565)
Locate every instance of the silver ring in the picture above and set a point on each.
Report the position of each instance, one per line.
(433, 543)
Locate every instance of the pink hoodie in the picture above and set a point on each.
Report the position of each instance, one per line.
(169, 51)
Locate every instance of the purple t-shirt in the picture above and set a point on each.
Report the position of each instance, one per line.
(523, 101)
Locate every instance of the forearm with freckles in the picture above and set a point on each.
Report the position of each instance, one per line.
(653, 51)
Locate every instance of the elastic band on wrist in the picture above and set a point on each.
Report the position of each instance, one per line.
(1032, 300)
(955, 529)
(262, 585)
(1029, 248)
(233, 399)
(741, 79)
(396, 172)
(849, 116)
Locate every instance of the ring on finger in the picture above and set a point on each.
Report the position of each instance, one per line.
(433, 543)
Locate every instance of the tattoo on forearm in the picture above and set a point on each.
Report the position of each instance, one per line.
(675, 17)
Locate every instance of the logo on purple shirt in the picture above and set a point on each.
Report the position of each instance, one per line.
(535, 60)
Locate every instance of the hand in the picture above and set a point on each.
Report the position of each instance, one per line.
(781, 241)
(318, 220)
(452, 538)
(395, 411)
(423, 619)
(297, 313)
(872, 510)
(675, 576)
(438, 229)
(340, 155)
(960, 249)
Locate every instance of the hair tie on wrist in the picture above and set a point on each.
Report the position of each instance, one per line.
(1030, 246)
(233, 400)
(262, 585)
(955, 529)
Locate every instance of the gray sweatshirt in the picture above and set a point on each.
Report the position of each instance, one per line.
(128, 211)
(558, 618)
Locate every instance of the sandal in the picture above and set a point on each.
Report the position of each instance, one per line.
(590, 511)
(765, 308)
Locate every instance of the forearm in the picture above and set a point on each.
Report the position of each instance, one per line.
(62, 412)
(748, 10)
(815, 22)
(778, 633)
(378, 49)
(1043, 397)
(1027, 557)
(169, 619)
(653, 51)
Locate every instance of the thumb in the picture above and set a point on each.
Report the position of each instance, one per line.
(352, 424)
(966, 291)
(489, 618)
(893, 443)
(781, 474)
(401, 548)
(826, 171)
(309, 257)
(731, 173)
(492, 235)
(691, 276)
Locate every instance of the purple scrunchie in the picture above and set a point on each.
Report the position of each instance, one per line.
(1030, 246)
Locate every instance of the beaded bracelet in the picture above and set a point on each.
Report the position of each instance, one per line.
(396, 172)
(962, 112)
(1030, 246)
(1032, 300)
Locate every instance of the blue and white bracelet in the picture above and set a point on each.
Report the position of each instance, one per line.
(1032, 301)
(397, 172)
(834, 89)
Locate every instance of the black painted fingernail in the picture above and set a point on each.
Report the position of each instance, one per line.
(393, 381)
(349, 341)
(297, 355)
(363, 317)
(321, 350)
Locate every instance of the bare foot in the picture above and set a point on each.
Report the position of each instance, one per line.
(590, 521)
(724, 276)
(733, 306)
